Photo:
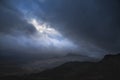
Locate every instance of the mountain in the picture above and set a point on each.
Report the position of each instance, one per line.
(107, 69)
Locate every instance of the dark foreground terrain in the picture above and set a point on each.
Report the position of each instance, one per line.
(107, 69)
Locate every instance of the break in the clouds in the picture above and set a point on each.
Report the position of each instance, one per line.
(32, 34)
(85, 27)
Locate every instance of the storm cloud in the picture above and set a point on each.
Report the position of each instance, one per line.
(88, 27)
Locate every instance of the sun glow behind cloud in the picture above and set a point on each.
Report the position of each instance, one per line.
(50, 37)
(44, 28)
(46, 36)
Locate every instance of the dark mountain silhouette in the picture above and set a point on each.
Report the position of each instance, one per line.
(107, 69)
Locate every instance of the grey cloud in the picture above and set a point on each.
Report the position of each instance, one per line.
(92, 25)
(95, 21)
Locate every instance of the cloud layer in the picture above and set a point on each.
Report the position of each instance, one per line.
(88, 27)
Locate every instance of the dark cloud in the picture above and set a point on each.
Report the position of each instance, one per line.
(12, 20)
(92, 25)
(96, 21)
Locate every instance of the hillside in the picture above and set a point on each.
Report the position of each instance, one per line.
(107, 69)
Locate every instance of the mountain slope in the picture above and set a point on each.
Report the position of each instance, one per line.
(107, 69)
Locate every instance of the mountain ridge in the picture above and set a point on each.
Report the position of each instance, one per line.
(107, 69)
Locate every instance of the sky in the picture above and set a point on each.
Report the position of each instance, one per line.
(50, 28)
